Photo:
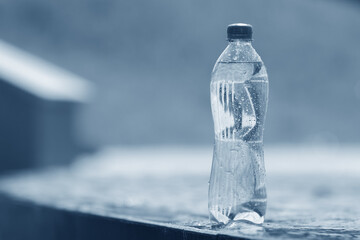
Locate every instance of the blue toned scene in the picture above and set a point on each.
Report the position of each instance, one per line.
(232, 119)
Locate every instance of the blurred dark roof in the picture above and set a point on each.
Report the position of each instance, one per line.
(39, 77)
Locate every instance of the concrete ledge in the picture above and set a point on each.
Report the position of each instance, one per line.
(25, 220)
(154, 193)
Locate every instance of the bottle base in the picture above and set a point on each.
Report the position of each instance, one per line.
(245, 217)
(227, 218)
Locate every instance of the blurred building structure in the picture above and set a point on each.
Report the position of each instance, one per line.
(37, 111)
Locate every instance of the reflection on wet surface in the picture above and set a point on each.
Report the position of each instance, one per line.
(300, 205)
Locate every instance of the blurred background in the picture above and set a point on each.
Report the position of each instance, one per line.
(150, 64)
(122, 87)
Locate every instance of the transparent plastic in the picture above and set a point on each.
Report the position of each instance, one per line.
(239, 96)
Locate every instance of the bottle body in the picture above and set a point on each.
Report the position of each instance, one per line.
(239, 96)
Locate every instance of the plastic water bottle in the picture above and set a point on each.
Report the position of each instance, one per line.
(239, 96)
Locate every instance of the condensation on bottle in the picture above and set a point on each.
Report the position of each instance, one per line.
(239, 96)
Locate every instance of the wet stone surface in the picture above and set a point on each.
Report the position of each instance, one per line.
(172, 196)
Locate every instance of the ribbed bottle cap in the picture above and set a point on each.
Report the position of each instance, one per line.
(239, 31)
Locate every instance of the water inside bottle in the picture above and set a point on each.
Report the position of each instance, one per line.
(237, 183)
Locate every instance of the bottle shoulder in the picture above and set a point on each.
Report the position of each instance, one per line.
(239, 60)
(239, 53)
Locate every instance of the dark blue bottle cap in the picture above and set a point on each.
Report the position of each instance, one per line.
(239, 31)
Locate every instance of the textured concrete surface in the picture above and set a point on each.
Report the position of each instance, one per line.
(156, 193)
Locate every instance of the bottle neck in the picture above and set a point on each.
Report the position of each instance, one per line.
(240, 41)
